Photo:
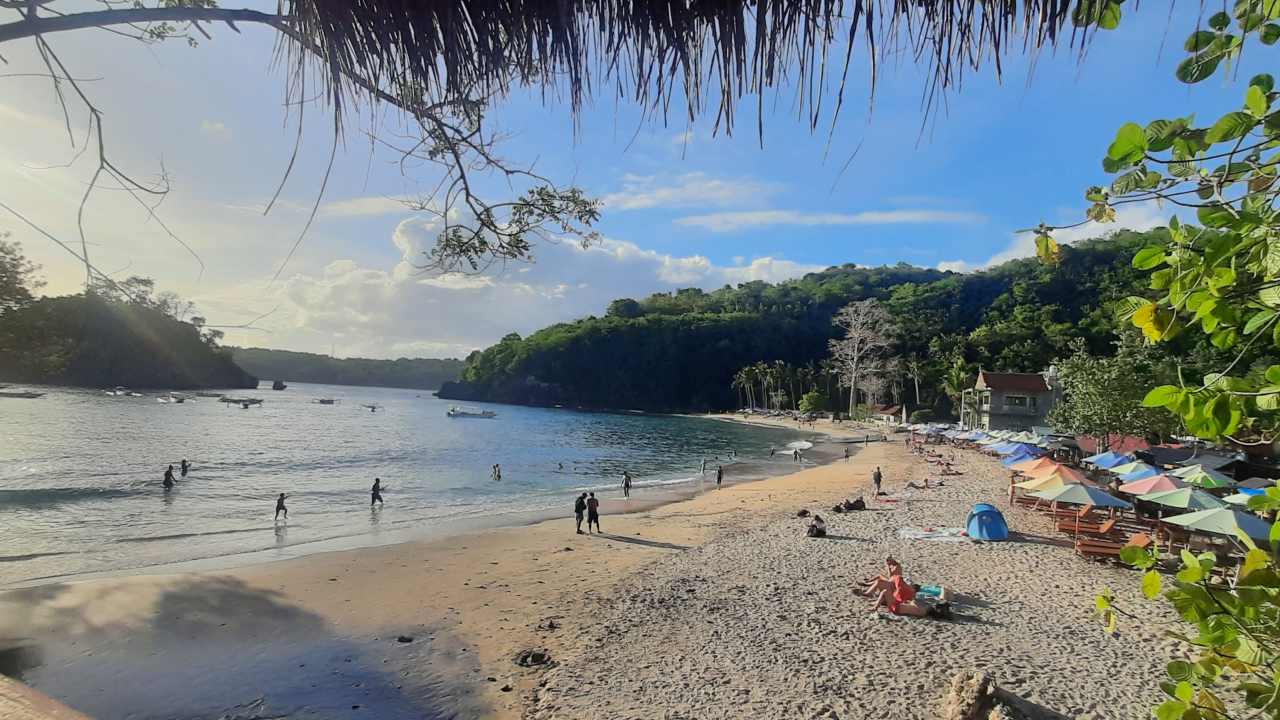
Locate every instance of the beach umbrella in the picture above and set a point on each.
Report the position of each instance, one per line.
(1223, 521)
(1077, 494)
(1029, 466)
(1258, 483)
(1153, 484)
(1014, 448)
(799, 445)
(1187, 498)
(1139, 474)
(1203, 477)
(1239, 498)
(1108, 459)
(1018, 458)
(1127, 467)
(1053, 480)
(1070, 474)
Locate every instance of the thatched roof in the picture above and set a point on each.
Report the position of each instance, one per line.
(710, 52)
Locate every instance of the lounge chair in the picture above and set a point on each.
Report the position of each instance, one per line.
(1096, 549)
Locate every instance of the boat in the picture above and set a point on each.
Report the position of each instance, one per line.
(172, 398)
(209, 394)
(243, 402)
(23, 395)
(278, 385)
(372, 408)
(457, 412)
(326, 401)
(117, 391)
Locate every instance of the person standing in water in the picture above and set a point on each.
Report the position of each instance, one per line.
(626, 484)
(846, 453)
(876, 479)
(580, 507)
(719, 475)
(280, 508)
(704, 466)
(184, 467)
(168, 478)
(375, 492)
(593, 512)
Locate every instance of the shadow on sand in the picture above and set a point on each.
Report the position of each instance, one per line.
(641, 541)
(215, 647)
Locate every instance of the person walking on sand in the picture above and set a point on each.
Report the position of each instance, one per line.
(375, 492)
(626, 484)
(846, 453)
(280, 508)
(876, 479)
(580, 507)
(593, 512)
(168, 478)
(184, 467)
(719, 475)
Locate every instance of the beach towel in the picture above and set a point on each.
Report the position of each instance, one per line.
(938, 534)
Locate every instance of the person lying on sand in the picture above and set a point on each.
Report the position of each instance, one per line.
(903, 598)
(926, 486)
(876, 585)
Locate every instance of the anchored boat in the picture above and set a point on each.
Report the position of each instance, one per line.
(457, 412)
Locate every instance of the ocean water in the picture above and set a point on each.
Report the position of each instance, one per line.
(81, 472)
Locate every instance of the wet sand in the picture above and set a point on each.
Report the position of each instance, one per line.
(714, 606)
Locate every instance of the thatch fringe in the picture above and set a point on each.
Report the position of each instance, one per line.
(659, 51)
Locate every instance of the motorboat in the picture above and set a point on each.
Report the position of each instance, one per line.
(245, 403)
(372, 408)
(20, 395)
(326, 401)
(209, 394)
(172, 398)
(457, 412)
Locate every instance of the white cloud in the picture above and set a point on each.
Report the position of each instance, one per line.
(213, 128)
(1132, 217)
(732, 221)
(398, 310)
(363, 207)
(687, 190)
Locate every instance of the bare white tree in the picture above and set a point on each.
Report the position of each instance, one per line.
(914, 367)
(868, 332)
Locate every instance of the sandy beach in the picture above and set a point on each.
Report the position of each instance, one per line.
(715, 606)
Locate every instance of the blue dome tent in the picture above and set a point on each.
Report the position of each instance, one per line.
(986, 523)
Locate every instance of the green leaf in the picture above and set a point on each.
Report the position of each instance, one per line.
(1215, 216)
(1149, 257)
(1263, 81)
(1160, 133)
(1191, 571)
(1255, 559)
(1260, 318)
(1171, 710)
(1151, 584)
(1273, 537)
(1256, 100)
(1272, 374)
(1219, 21)
(1270, 34)
(1185, 692)
(1178, 670)
(1269, 400)
(1047, 249)
(1197, 67)
(1130, 144)
(1231, 126)
(1162, 396)
(1110, 17)
(1199, 40)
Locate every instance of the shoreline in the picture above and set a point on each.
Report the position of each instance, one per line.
(712, 606)
(112, 610)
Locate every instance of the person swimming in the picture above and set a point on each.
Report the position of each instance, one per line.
(185, 467)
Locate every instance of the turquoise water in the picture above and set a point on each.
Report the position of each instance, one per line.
(80, 472)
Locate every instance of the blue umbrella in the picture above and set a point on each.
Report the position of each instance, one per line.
(1015, 448)
(1141, 473)
(1017, 457)
(1108, 459)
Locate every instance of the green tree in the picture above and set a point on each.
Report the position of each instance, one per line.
(1101, 399)
(18, 283)
(624, 308)
(813, 401)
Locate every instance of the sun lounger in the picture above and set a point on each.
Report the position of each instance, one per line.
(1095, 549)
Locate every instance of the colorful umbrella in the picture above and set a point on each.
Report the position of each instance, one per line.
(1127, 467)
(1187, 498)
(1077, 494)
(1258, 483)
(1153, 484)
(1240, 498)
(1070, 475)
(1108, 459)
(1140, 474)
(1017, 459)
(1203, 477)
(1027, 466)
(1223, 521)
(1053, 480)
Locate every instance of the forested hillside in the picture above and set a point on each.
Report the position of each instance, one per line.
(96, 341)
(679, 351)
(417, 373)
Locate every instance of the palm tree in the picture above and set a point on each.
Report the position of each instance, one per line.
(914, 366)
(955, 382)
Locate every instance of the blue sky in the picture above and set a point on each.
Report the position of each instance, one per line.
(681, 207)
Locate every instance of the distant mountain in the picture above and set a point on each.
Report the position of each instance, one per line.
(415, 373)
(679, 351)
(86, 340)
